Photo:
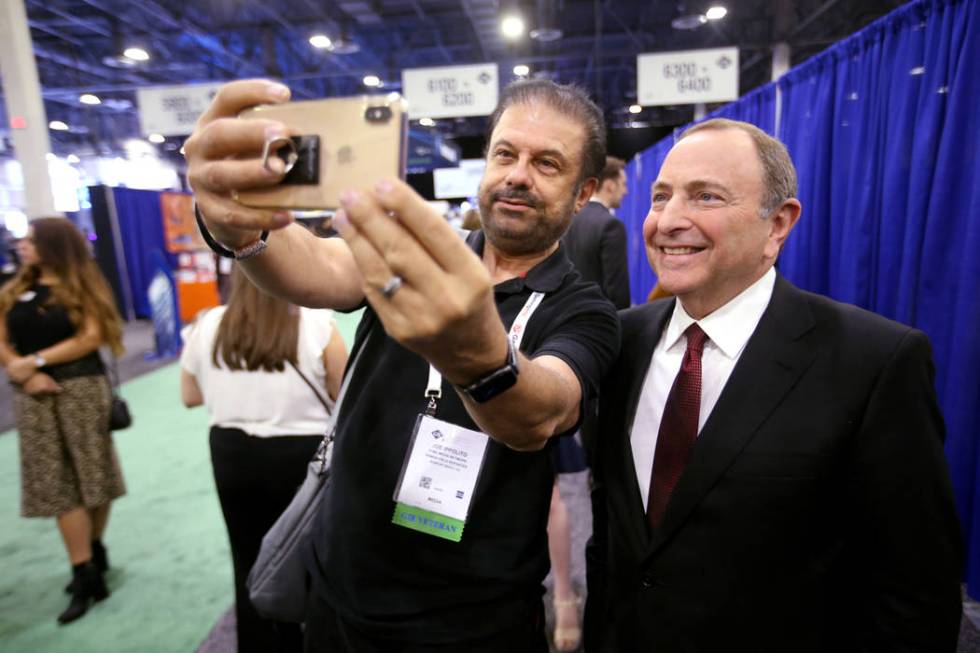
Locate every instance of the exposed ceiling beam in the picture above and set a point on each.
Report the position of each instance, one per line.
(637, 42)
(471, 10)
(58, 34)
(69, 62)
(342, 20)
(206, 40)
(824, 8)
(436, 32)
(74, 20)
(288, 43)
(820, 11)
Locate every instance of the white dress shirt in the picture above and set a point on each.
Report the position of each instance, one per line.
(728, 330)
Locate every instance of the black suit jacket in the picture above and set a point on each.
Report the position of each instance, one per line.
(596, 244)
(815, 512)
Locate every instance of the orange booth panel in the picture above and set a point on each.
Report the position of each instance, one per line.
(195, 296)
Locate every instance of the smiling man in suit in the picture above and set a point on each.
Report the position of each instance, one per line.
(770, 475)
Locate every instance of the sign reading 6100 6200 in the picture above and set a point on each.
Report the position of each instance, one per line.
(687, 77)
(451, 91)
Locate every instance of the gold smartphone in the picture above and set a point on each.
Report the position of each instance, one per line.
(349, 142)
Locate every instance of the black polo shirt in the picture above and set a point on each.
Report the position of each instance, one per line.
(397, 583)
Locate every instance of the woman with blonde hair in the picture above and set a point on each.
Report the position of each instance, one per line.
(55, 313)
(269, 373)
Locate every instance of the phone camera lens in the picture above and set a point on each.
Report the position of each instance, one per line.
(377, 114)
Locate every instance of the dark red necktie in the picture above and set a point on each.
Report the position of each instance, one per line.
(678, 427)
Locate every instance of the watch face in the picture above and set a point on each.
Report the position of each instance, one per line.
(497, 381)
(491, 386)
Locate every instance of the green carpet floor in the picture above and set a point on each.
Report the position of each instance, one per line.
(171, 575)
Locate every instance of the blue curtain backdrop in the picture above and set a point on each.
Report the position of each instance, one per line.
(141, 230)
(757, 107)
(641, 172)
(885, 135)
(883, 130)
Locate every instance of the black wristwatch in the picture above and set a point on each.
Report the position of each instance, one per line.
(503, 378)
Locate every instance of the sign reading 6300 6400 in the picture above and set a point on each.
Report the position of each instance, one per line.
(687, 77)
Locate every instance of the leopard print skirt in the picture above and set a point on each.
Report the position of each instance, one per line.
(67, 459)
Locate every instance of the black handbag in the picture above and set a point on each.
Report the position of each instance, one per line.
(119, 417)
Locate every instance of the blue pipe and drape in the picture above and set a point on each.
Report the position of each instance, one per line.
(141, 231)
(885, 136)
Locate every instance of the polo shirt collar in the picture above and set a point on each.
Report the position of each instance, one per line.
(546, 276)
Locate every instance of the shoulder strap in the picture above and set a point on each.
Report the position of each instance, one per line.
(319, 397)
(332, 419)
(112, 371)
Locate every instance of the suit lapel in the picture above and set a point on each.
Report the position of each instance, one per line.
(640, 337)
(774, 359)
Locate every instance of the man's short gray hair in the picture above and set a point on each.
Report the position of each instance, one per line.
(778, 171)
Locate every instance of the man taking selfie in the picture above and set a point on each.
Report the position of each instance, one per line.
(497, 335)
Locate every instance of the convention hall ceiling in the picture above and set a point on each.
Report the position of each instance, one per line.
(79, 47)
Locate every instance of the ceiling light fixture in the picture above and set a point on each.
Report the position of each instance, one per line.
(344, 45)
(546, 34)
(635, 108)
(156, 138)
(690, 21)
(372, 80)
(716, 13)
(512, 26)
(522, 70)
(136, 54)
(321, 41)
(427, 122)
(118, 61)
(58, 125)
(88, 98)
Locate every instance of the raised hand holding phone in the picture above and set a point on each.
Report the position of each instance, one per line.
(224, 156)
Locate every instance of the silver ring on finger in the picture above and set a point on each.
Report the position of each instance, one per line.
(391, 286)
(282, 147)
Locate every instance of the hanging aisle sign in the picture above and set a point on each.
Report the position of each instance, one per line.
(451, 91)
(687, 77)
(173, 110)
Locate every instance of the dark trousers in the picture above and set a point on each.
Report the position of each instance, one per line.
(328, 632)
(256, 480)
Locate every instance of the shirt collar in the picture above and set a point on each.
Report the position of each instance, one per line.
(546, 276)
(730, 326)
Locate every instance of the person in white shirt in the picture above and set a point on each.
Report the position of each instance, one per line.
(770, 475)
(268, 373)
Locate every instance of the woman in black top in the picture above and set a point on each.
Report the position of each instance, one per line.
(54, 315)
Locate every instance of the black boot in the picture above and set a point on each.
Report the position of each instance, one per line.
(88, 587)
(100, 556)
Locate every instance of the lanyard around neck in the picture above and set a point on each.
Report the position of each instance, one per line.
(433, 390)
